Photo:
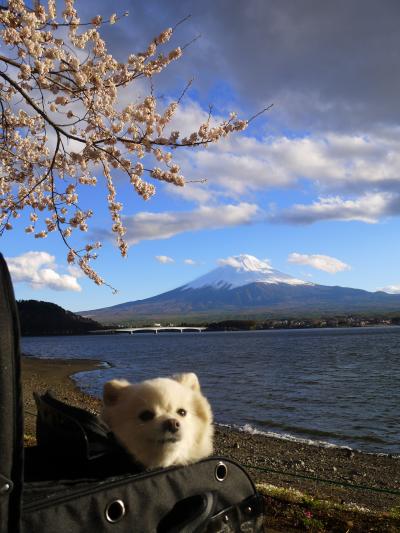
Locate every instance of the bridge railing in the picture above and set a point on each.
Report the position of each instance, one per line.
(154, 329)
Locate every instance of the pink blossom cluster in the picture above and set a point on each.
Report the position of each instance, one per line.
(63, 126)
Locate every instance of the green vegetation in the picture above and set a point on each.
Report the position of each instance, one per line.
(290, 510)
(294, 323)
(249, 321)
(233, 325)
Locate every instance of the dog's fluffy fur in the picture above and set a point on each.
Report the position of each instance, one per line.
(162, 421)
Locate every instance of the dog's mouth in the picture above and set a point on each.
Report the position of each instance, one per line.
(168, 440)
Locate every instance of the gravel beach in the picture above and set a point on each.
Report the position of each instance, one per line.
(351, 477)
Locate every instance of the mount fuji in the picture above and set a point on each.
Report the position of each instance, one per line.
(240, 271)
(242, 287)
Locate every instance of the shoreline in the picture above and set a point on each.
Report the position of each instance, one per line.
(306, 442)
(269, 460)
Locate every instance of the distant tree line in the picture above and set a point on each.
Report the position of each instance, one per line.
(233, 325)
(295, 323)
(45, 318)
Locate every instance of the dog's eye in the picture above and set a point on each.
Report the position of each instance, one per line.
(146, 416)
(181, 412)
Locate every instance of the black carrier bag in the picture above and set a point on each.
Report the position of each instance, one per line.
(50, 488)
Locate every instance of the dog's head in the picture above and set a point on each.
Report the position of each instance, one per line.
(162, 421)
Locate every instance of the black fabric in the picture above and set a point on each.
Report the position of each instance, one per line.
(150, 500)
(11, 413)
(73, 443)
(70, 429)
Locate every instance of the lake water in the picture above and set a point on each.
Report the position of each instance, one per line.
(339, 386)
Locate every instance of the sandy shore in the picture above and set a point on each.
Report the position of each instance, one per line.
(269, 460)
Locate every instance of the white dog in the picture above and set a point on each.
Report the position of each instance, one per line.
(162, 421)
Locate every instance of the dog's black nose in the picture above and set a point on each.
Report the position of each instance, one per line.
(172, 425)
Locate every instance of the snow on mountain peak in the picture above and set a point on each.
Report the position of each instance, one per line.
(247, 263)
(242, 270)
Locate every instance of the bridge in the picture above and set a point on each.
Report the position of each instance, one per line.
(150, 329)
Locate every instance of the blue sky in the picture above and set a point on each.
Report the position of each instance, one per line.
(318, 175)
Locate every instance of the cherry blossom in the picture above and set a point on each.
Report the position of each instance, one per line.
(64, 128)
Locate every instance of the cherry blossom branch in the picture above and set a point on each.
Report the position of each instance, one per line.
(46, 77)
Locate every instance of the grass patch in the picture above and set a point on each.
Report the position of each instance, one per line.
(290, 510)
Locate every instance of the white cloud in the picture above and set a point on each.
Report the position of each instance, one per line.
(333, 162)
(233, 168)
(348, 177)
(351, 170)
(320, 262)
(190, 262)
(252, 262)
(229, 261)
(391, 289)
(369, 208)
(188, 117)
(75, 271)
(164, 259)
(150, 226)
(39, 270)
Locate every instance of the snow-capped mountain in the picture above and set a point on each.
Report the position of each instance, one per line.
(242, 270)
(244, 286)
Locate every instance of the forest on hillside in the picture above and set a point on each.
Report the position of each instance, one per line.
(45, 318)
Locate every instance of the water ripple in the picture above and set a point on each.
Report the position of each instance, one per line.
(342, 385)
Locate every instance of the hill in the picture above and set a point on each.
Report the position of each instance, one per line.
(45, 318)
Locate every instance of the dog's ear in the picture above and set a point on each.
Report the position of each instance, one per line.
(188, 379)
(112, 390)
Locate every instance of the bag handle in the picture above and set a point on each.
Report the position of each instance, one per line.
(188, 515)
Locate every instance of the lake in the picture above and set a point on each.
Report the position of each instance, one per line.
(337, 386)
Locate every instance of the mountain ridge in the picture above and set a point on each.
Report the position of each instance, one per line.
(226, 292)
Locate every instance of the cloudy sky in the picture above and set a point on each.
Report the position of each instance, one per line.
(313, 185)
